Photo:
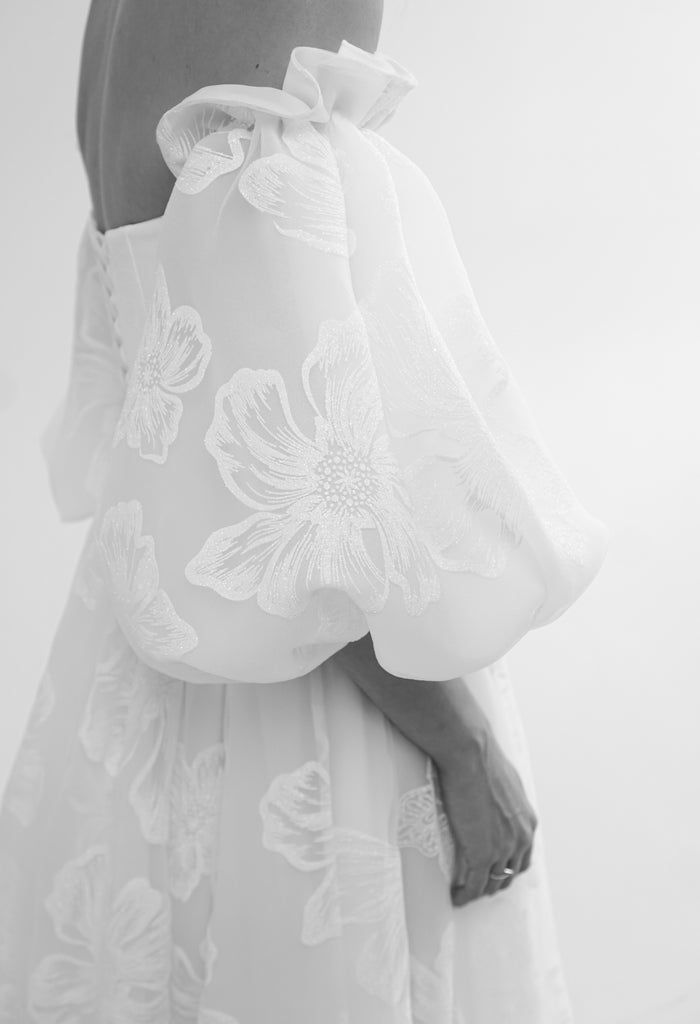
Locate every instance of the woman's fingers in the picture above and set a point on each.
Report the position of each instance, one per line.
(469, 882)
(495, 885)
(526, 860)
(519, 862)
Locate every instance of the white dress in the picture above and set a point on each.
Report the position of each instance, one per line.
(290, 426)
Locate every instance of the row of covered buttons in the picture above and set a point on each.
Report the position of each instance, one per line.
(101, 251)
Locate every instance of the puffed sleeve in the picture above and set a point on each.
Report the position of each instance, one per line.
(319, 437)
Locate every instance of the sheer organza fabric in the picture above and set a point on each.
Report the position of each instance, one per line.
(319, 436)
(289, 425)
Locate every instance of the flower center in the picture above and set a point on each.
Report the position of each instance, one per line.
(346, 480)
(149, 370)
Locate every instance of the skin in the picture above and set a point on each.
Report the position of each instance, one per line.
(140, 58)
(492, 820)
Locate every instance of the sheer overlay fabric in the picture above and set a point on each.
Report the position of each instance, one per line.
(289, 426)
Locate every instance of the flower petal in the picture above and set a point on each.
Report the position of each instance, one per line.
(153, 423)
(118, 546)
(263, 457)
(146, 613)
(206, 163)
(77, 903)
(340, 382)
(233, 560)
(62, 989)
(407, 559)
(332, 555)
(161, 632)
(296, 816)
(139, 941)
(186, 350)
(149, 792)
(124, 698)
(302, 190)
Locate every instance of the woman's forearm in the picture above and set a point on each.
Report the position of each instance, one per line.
(442, 718)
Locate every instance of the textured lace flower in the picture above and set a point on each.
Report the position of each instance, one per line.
(120, 948)
(172, 358)
(145, 612)
(423, 823)
(133, 714)
(330, 510)
(362, 881)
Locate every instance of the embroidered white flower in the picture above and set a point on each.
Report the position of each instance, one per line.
(120, 947)
(145, 612)
(329, 510)
(362, 880)
(133, 713)
(171, 360)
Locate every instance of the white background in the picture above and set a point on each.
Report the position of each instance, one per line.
(564, 140)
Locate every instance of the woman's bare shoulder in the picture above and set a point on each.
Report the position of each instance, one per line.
(139, 59)
(249, 41)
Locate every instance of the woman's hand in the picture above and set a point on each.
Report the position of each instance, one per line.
(492, 820)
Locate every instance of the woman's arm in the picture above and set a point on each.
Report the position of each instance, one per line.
(442, 718)
(492, 821)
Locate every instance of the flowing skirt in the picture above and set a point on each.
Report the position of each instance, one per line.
(239, 853)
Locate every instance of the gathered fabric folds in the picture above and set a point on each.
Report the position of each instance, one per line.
(318, 435)
(289, 426)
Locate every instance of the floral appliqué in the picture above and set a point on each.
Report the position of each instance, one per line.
(362, 879)
(145, 612)
(132, 712)
(329, 510)
(120, 959)
(423, 823)
(171, 360)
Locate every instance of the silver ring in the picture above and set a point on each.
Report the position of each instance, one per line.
(507, 872)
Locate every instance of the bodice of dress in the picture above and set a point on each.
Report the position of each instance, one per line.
(286, 413)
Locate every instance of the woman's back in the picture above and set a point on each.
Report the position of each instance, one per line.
(139, 59)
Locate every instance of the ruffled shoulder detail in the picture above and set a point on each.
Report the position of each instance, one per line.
(365, 88)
